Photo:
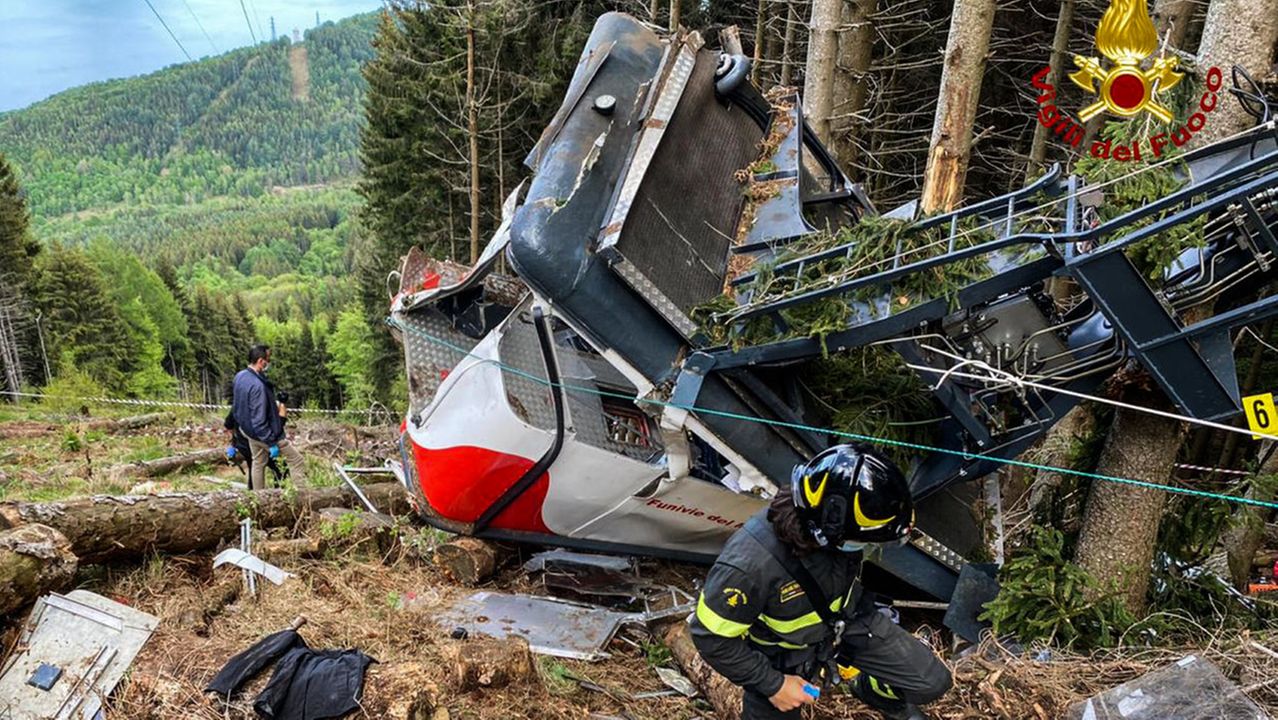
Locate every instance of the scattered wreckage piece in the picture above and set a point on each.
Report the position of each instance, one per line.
(34, 559)
(489, 662)
(583, 574)
(1189, 688)
(106, 527)
(91, 640)
(550, 626)
(251, 563)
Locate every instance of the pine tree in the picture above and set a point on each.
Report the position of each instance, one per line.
(17, 249)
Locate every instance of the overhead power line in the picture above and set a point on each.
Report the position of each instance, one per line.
(248, 22)
(201, 26)
(170, 31)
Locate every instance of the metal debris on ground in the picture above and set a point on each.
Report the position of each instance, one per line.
(88, 640)
(252, 566)
(552, 626)
(678, 682)
(344, 472)
(585, 574)
(1190, 689)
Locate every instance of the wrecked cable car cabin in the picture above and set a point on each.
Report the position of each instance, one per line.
(575, 401)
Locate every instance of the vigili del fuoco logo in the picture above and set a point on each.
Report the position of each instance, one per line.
(1127, 85)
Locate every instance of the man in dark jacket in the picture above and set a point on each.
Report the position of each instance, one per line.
(759, 622)
(261, 418)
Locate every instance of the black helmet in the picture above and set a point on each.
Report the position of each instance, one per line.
(852, 494)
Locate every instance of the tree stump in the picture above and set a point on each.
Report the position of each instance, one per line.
(484, 662)
(34, 560)
(467, 560)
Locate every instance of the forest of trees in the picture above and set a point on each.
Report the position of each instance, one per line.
(170, 221)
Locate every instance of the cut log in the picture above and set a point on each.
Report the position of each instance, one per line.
(128, 423)
(484, 662)
(34, 560)
(357, 528)
(164, 466)
(108, 527)
(467, 560)
(724, 697)
(274, 550)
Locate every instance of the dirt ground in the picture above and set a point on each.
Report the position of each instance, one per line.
(381, 598)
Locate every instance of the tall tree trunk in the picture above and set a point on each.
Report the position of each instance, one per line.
(675, 7)
(818, 78)
(950, 150)
(472, 129)
(787, 45)
(760, 32)
(654, 9)
(1060, 46)
(1172, 18)
(1247, 527)
(1242, 32)
(1120, 527)
(851, 79)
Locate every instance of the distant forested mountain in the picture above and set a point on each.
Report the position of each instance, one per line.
(165, 223)
(276, 114)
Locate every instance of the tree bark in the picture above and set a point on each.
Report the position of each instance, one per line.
(950, 150)
(791, 19)
(483, 662)
(108, 527)
(851, 80)
(128, 423)
(1247, 528)
(760, 29)
(34, 559)
(1172, 18)
(674, 15)
(1120, 528)
(472, 130)
(818, 78)
(1060, 47)
(1242, 32)
(467, 560)
(164, 466)
(724, 697)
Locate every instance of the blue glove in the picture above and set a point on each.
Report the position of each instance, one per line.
(812, 690)
(275, 451)
(230, 453)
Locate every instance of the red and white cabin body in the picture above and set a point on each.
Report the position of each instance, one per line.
(482, 446)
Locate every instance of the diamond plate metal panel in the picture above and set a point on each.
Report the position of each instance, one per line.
(426, 359)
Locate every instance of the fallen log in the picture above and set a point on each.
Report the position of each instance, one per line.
(34, 559)
(129, 423)
(106, 527)
(166, 465)
(724, 697)
(467, 560)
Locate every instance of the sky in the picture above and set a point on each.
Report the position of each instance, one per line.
(47, 46)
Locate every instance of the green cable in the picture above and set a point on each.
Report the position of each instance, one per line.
(851, 436)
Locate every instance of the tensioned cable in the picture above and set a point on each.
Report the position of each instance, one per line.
(839, 433)
(166, 27)
(248, 22)
(196, 18)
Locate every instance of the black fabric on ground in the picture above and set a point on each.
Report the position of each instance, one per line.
(241, 668)
(314, 685)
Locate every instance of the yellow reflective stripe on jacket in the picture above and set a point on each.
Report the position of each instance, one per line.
(883, 689)
(784, 644)
(718, 624)
(799, 623)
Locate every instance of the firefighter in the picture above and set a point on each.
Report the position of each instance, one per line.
(783, 613)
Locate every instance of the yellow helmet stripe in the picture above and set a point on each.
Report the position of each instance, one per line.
(868, 523)
(814, 496)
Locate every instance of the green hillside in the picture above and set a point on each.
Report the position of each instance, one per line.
(187, 213)
(236, 124)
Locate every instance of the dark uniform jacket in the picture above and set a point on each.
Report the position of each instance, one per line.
(254, 407)
(753, 618)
